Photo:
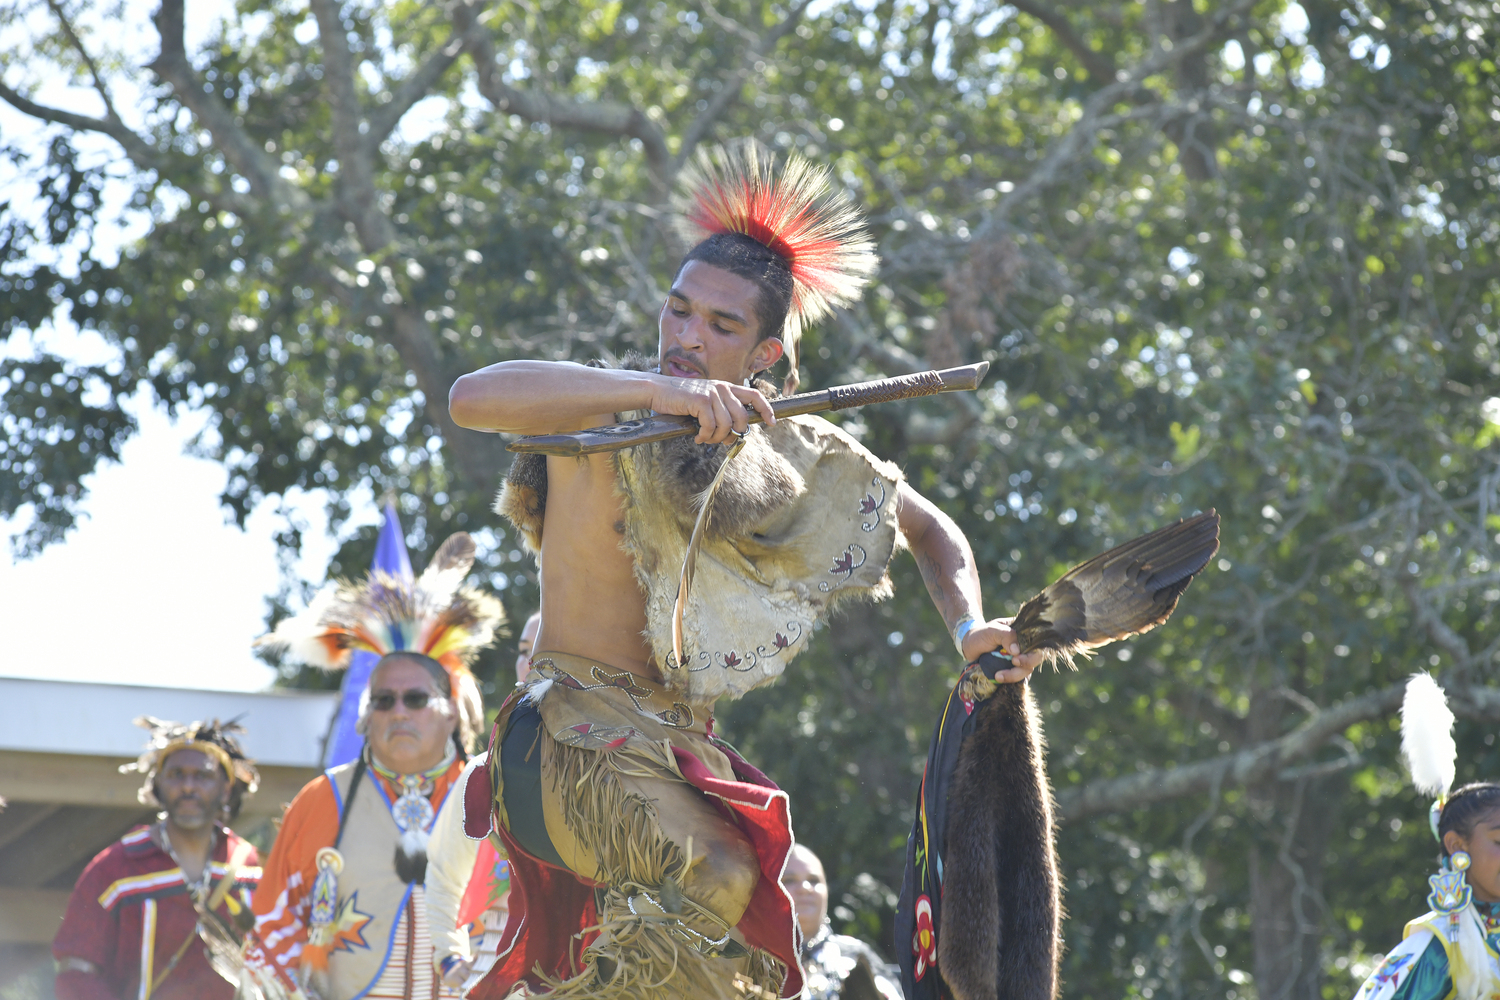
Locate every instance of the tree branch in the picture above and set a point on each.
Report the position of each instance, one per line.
(732, 86)
(539, 106)
(1266, 761)
(247, 158)
(1427, 618)
(385, 118)
(478, 456)
(356, 181)
(67, 26)
(1100, 66)
(1244, 767)
(81, 123)
(141, 153)
(1049, 172)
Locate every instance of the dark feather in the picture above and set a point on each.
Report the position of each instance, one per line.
(1130, 589)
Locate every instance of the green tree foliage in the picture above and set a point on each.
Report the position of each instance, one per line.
(1221, 254)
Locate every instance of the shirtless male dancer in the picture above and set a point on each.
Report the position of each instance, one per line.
(710, 919)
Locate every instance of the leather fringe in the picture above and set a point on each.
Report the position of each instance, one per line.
(643, 950)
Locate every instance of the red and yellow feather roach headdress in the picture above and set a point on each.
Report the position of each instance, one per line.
(796, 213)
(385, 613)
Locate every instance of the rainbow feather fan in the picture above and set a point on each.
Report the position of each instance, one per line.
(435, 615)
(797, 214)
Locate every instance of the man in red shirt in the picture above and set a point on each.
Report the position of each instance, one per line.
(150, 909)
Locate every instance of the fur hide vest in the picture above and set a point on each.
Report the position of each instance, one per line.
(805, 519)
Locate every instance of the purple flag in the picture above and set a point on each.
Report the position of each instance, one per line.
(390, 556)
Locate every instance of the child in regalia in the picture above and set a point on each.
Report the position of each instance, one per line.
(1453, 951)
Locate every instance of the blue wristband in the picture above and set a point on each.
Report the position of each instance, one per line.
(963, 628)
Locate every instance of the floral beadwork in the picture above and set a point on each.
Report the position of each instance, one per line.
(869, 505)
(845, 565)
(592, 736)
(679, 716)
(746, 660)
(924, 940)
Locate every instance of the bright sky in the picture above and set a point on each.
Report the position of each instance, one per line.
(153, 587)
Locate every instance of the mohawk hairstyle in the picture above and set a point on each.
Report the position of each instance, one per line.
(434, 618)
(815, 235)
(215, 738)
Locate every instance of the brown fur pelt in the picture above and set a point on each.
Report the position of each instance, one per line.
(1001, 890)
(803, 520)
(756, 486)
(523, 498)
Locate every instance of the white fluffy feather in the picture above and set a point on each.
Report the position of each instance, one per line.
(1427, 736)
(298, 634)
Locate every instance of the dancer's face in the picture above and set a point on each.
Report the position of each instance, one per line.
(192, 788)
(709, 327)
(408, 738)
(1483, 846)
(808, 886)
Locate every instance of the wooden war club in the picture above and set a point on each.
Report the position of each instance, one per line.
(613, 437)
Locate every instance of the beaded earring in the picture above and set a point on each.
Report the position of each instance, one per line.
(1451, 894)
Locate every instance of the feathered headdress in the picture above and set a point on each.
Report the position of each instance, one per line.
(797, 214)
(385, 613)
(1427, 740)
(214, 739)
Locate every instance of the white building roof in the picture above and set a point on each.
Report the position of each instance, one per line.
(281, 727)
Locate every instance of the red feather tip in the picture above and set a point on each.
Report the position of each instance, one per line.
(795, 212)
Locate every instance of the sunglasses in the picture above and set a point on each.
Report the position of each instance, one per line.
(414, 700)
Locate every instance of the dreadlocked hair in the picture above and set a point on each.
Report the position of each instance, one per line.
(1466, 806)
(214, 738)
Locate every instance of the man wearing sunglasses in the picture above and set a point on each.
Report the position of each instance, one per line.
(376, 813)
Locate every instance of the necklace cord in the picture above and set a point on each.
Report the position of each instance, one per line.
(359, 772)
